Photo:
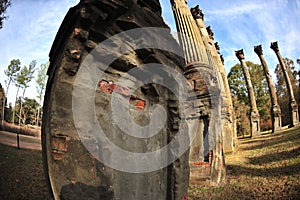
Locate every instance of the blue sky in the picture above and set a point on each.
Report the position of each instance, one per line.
(32, 25)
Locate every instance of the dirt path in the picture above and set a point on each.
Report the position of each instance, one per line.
(26, 142)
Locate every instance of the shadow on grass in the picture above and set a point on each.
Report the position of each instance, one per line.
(276, 139)
(275, 157)
(271, 172)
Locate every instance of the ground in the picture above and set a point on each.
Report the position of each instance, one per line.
(267, 167)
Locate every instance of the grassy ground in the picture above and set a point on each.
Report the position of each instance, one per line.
(21, 174)
(24, 138)
(23, 129)
(261, 168)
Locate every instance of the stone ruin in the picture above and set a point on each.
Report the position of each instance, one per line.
(254, 114)
(72, 171)
(292, 101)
(203, 72)
(275, 108)
(73, 153)
(213, 49)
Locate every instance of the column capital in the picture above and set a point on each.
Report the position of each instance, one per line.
(258, 50)
(274, 46)
(217, 47)
(197, 13)
(222, 59)
(240, 54)
(210, 32)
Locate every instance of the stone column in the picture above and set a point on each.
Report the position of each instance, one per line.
(84, 27)
(293, 104)
(254, 114)
(206, 159)
(213, 50)
(190, 38)
(275, 109)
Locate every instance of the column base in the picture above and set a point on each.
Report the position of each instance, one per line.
(276, 124)
(255, 125)
(294, 114)
(228, 138)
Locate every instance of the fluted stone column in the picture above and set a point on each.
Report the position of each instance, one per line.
(213, 50)
(275, 109)
(190, 40)
(293, 104)
(209, 165)
(254, 114)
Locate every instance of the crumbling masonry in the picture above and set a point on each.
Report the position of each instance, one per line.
(203, 75)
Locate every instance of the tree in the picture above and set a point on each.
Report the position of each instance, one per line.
(4, 4)
(41, 85)
(18, 84)
(240, 97)
(27, 76)
(23, 80)
(28, 112)
(237, 84)
(12, 72)
(241, 116)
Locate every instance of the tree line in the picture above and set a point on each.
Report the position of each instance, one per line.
(240, 98)
(25, 110)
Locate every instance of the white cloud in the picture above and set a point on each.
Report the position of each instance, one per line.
(244, 24)
(30, 30)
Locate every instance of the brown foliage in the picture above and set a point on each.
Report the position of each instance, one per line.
(24, 129)
(266, 125)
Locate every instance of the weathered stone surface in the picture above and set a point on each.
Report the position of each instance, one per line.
(294, 115)
(229, 129)
(275, 109)
(205, 88)
(254, 114)
(72, 171)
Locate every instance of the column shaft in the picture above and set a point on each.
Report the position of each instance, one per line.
(190, 39)
(275, 110)
(206, 159)
(229, 133)
(254, 114)
(293, 104)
